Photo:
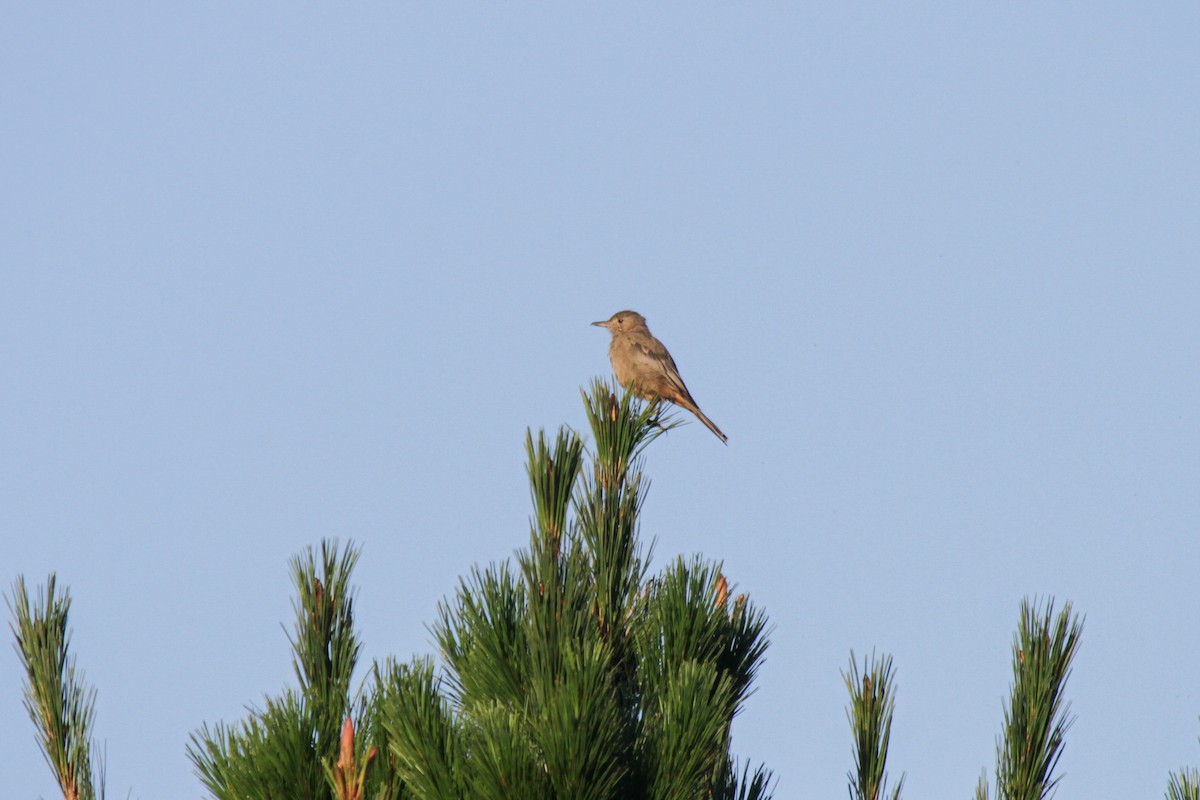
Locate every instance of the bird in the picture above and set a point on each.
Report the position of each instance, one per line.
(644, 367)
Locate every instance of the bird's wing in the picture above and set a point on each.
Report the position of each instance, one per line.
(655, 351)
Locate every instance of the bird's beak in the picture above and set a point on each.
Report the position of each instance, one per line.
(601, 324)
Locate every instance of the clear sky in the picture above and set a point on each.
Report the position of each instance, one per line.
(276, 272)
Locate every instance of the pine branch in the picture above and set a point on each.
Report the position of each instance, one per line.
(59, 701)
(685, 624)
(325, 646)
(425, 741)
(287, 748)
(688, 617)
(622, 427)
(558, 586)
(750, 786)
(383, 782)
(580, 727)
(273, 753)
(872, 706)
(686, 739)
(1184, 785)
(347, 777)
(552, 475)
(1038, 716)
(981, 787)
(484, 638)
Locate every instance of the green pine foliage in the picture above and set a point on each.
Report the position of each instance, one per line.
(60, 703)
(1035, 721)
(573, 674)
(569, 674)
(1184, 785)
(872, 705)
(294, 746)
(1038, 716)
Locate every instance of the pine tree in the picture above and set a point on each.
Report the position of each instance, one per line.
(572, 675)
(569, 675)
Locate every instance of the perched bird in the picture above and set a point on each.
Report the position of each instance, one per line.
(644, 367)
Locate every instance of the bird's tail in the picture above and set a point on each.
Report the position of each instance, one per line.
(708, 423)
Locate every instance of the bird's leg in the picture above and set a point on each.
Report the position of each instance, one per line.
(656, 407)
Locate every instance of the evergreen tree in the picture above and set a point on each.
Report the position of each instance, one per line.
(570, 675)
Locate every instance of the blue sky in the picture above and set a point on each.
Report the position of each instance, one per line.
(273, 273)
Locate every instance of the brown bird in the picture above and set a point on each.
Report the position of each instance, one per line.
(644, 367)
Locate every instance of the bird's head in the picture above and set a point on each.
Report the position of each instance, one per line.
(623, 322)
